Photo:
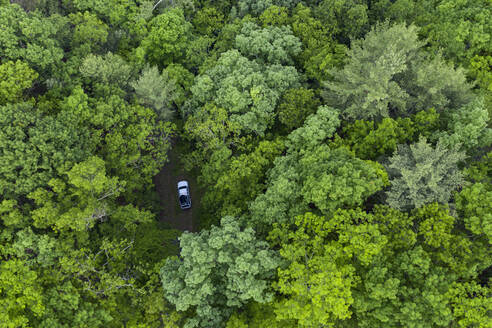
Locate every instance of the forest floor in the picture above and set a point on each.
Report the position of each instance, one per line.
(165, 182)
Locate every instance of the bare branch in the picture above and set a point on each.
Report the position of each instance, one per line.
(158, 2)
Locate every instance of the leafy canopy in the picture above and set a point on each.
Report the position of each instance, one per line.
(388, 75)
(219, 269)
(422, 174)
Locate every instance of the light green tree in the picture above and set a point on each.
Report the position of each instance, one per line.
(273, 45)
(15, 78)
(219, 270)
(248, 90)
(107, 69)
(317, 284)
(422, 174)
(468, 127)
(388, 74)
(156, 91)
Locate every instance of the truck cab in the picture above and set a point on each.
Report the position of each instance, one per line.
(184, 197)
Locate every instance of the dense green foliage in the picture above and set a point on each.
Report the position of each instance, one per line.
(421, 174)
(220, 269)
(342, 151)
(388, 75)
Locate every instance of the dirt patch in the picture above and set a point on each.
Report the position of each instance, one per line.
(165, 183)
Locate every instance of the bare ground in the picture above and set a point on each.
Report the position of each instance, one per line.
(165, 182)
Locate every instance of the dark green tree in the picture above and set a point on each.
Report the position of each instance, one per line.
(37, 148)
(295, 106)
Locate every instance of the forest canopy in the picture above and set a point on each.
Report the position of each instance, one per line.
(339, 153)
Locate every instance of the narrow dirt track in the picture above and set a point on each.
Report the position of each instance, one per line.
(165, 183)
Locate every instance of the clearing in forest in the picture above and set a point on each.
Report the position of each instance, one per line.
(166, 185)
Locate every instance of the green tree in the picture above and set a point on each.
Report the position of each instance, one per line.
(256, 7)
(132, 143)
(411, 282)
(89, 34)
(387, 74)
(183, 80)
(334, 178)
(36, 149)
(19, 289)
(15, 78)
(210, 128)
(156, 91)
(295, 106)
(32, 38)
(220, 269)
(344, 19)
(249, 91)
(460, 30)
(273, 45)
(241, 181)
(317, 284)
(66, 307)
(370, 140)
(88, 183)
(314, 175)
(274, 16)
(316, 130)
(480, 70)
(473, 202)
(321, 52)
(467, 127)
(257, 315)
(404, 288)
(471, 305)
(208, 21)
(168, 38)
(421, 174)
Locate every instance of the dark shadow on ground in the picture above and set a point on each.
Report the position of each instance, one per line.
(166, 186)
